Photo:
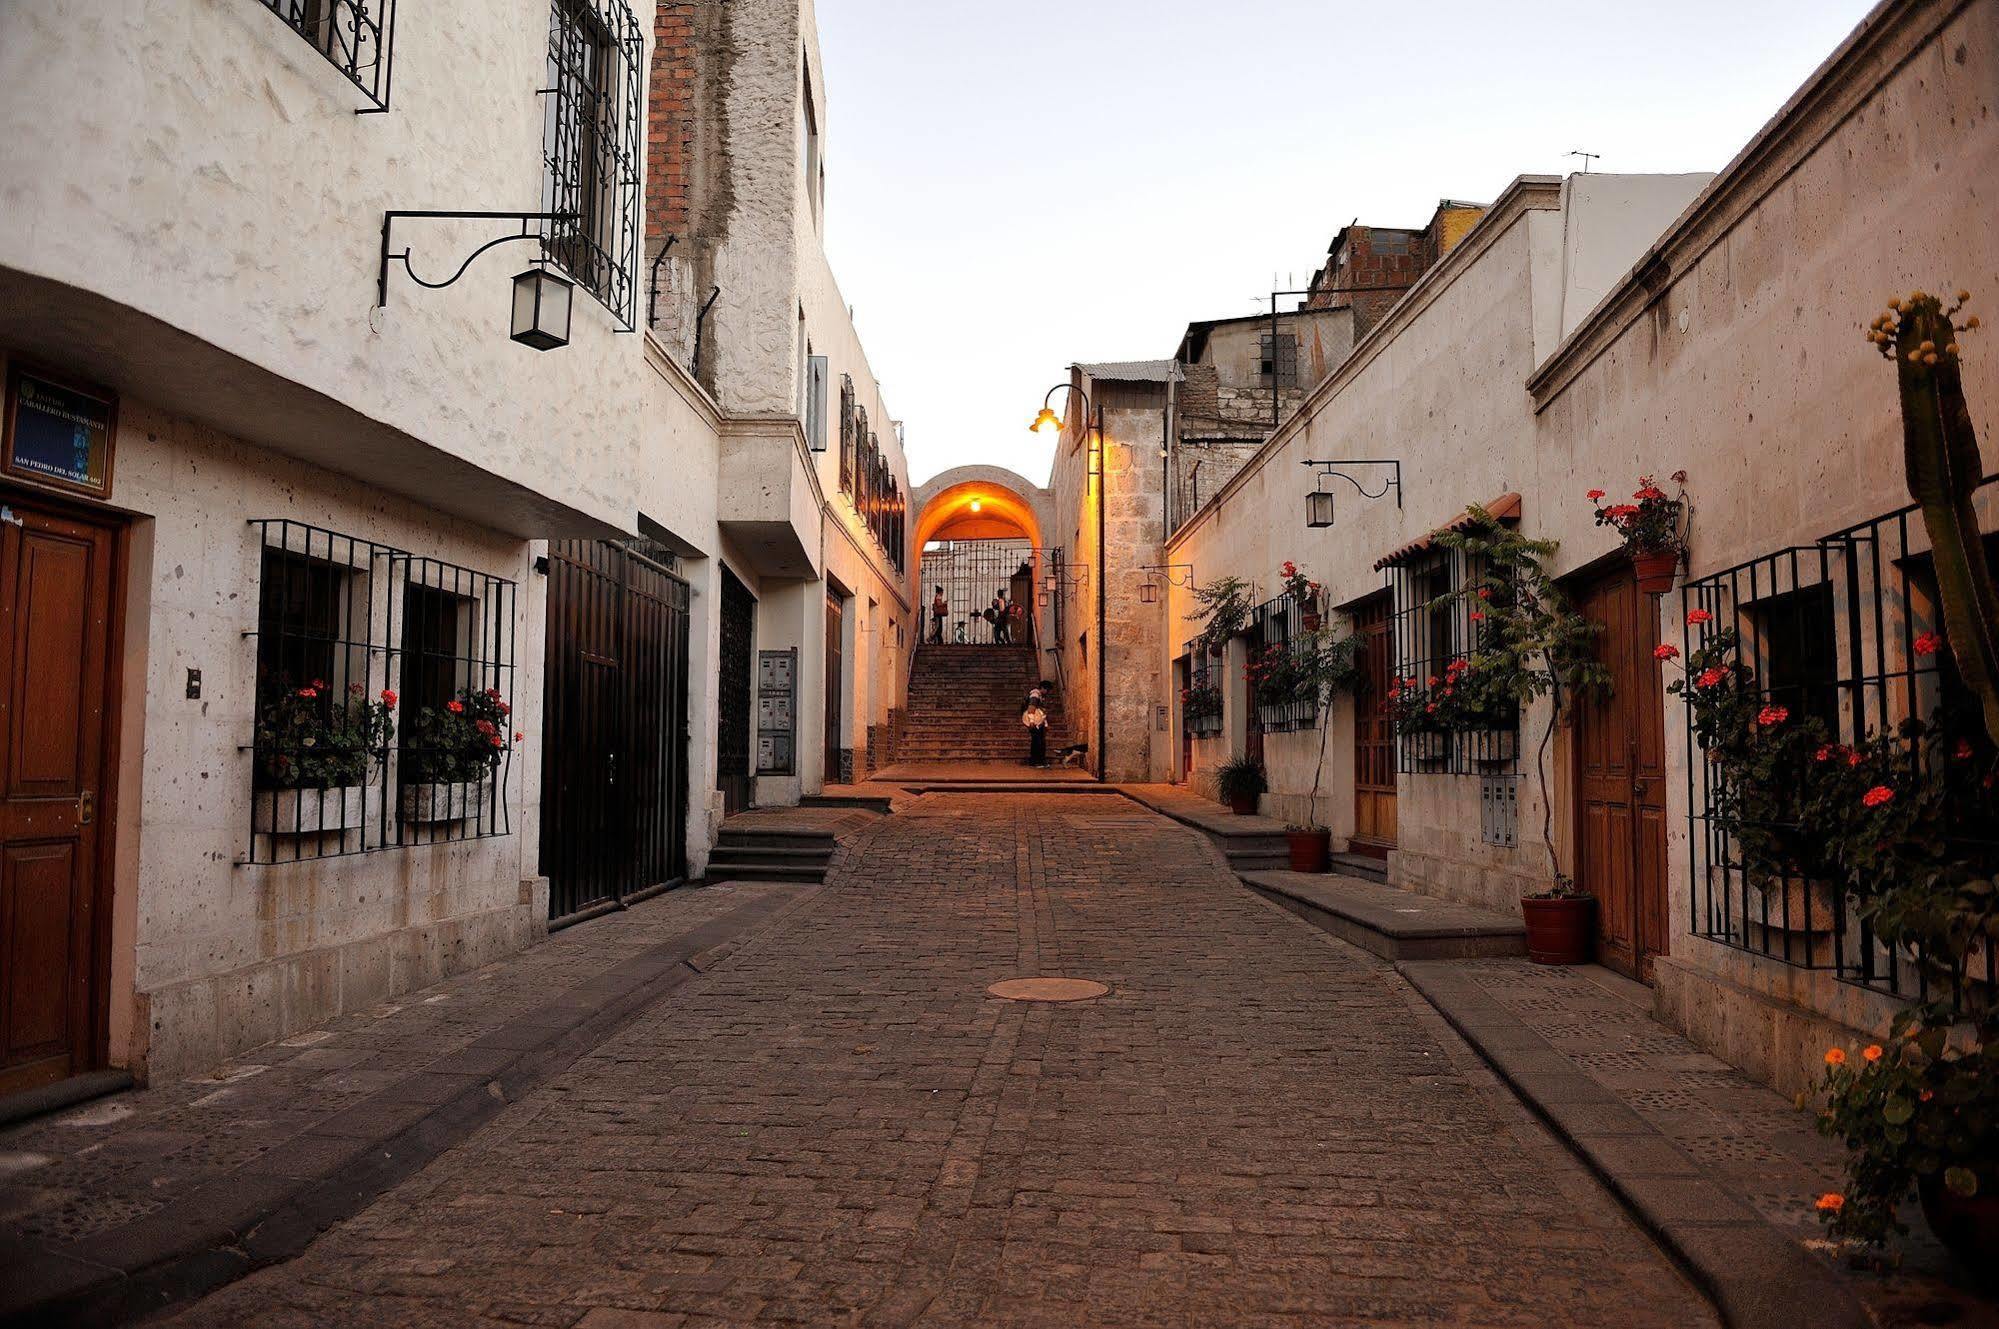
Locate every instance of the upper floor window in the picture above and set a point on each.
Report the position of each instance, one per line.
(590, 149)
(815, 166)
(1278, 359)
(815, 401)
(353, 35)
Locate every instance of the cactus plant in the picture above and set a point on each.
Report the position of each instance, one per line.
(1940, 457)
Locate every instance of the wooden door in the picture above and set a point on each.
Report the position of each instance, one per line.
(835, 686)
(732, 720)
(1620, 761)
(56, 685)
(1373, 732)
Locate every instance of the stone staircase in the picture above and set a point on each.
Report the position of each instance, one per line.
(787, 844)
(964, 705)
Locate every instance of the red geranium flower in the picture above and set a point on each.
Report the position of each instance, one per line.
(1878, 795)
(1823, 754)
(455, 706)
(1665, 651)
(389, 698)
(308, 692)
(1928, 643)
(1593, 495)
(1711, 676)
(1963, 750)
(1772, 715)
(1695, 617)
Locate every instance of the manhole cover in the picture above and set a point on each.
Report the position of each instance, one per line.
(1048, 989)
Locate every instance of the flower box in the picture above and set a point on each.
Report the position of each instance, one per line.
(295, 812)
(1495, 747)
(435, 804)
(1430, 746)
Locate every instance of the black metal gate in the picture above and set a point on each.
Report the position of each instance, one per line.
(972, 573)
(732, 721)
(614, 752)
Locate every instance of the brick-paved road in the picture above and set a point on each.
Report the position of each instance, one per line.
(1259, 1126)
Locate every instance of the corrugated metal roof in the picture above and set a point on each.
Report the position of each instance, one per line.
(1133, 371)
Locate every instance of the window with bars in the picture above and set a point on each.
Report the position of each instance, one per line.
(592, 120)
(1279, 633)
(1202, 701)
(354, 36)
(1835, 631)
(872, 485)
(1433, 626)
(1277, 360)
(383, 697)
(849, 432)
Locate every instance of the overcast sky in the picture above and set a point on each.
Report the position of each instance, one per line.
(1014, 186)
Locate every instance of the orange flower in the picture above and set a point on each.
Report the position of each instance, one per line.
(1832, 1202)
(1872, 1052)
(1835, 1056)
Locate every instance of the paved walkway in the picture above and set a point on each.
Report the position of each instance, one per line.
(837, 1125)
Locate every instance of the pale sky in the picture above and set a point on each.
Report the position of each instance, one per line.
(1015, 186)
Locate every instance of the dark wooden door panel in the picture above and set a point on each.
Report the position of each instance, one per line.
(835, 687)
(732, 721)
(1619, 746)
(56, 599)
(1374, 732)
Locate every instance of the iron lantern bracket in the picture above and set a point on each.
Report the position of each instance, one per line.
(1172, 572)
(524, 220)
(1394, 480)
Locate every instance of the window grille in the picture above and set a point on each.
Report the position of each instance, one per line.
(1201, 677)
(1432, 625)
(319, 738)
(354, 36)
(849, 432)
(1830, 630)
(877, 497)
(360, 650)
(815, 402)
(592, 121)
(1279, 625)
(455, 739)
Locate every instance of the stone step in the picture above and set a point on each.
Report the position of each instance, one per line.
(763, 853)
(1364, 866)
(1393, 923)
(774, 838)
(865, 802)
(754, 871)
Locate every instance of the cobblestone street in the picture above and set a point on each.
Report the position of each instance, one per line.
(1258, 1125)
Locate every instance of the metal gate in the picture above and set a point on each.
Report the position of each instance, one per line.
(972, 573)
(614, 751)
(732, 720)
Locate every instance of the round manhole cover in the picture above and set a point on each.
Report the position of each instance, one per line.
(1048, 989)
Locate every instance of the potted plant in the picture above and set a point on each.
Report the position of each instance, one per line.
(449, 754)
(1241, 783)
(311, 743)
(1222, 608)
(1333, 667)
(1532, 644)
(1304, 593)
(1652, 526)
(1200, 702)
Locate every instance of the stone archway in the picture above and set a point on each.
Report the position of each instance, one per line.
(974, 507)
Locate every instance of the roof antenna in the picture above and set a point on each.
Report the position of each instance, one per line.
(1587, 157)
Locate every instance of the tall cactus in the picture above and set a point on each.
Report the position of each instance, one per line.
(1940, 456)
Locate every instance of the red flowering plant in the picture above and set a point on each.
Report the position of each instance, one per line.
(1653, 522)
(1304, 592)
(462, 740)
(1201, 701)
(312, 736)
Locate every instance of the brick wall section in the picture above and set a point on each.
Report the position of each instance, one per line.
(670, 122)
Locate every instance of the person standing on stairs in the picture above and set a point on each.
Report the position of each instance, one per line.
(1035, 717)
(940, 609)
(996, 615)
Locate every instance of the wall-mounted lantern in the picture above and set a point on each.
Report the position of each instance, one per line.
(1171, 574)
(542, 304)
(543, 300)
(1319, 502)
(1148, 593)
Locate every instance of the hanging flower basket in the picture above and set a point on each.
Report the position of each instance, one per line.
(1656, 572)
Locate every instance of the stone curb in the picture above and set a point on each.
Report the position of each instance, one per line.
(274, 1208)
(1756, 1277)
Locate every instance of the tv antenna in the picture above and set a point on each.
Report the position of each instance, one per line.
(1587, 157)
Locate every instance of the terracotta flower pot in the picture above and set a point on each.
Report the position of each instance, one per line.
(1311, 851)
(1966, 1226)
(1561, 929)
(1243, 805)
(1655, 572)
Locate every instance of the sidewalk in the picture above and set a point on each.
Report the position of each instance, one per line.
(129, 1203)
(1724, 1170)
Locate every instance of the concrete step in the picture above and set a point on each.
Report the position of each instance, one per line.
(1393, 923)
(790, 872)
(1364, 866)
(727, 852)
(865, 802)
(773, 838)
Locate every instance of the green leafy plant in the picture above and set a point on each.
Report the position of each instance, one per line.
(1301, 588)
(310, 738)
(1532, 643)
(1222, 608)
(1942, 464)
(1923, 1110)
(462, 740)
(1240, 778)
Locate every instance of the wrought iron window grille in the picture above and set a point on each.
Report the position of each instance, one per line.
(1280, 623)
(351, 640)
(355, 37)
(1828, 629)
(1431, 625)
(1201, 676)
(592, 129)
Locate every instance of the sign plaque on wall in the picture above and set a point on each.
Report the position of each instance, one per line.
(777, 711)
(58, 432)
